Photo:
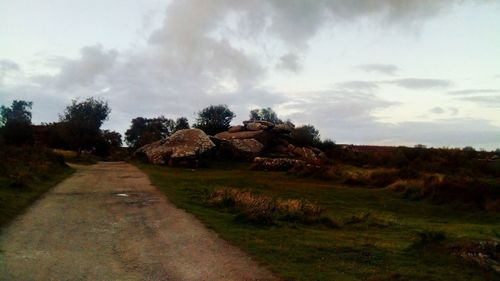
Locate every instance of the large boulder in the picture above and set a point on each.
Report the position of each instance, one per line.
(239, 135)
(255, 126)
(242, 148)
(275, 164)
(307, 154)
(237, 128)
(183, 145)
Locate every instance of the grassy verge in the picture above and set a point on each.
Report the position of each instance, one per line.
(26, 174)
(380, 235)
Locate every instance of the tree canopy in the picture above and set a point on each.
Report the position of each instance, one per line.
(16, 123)
(265, 114)
(82, 121)
(306, 135)
(214, 119)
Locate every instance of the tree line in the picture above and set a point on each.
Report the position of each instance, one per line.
(79, 127)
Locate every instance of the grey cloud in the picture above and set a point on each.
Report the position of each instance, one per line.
(473, 91)
(7, 66)
(437, 110)
(358, 85)
(83, 71)
(350, 117)
(289, 62)
(419, 84)
(489, 101)
(387, 69)
(191, 61)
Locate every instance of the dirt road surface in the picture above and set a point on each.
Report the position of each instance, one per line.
(107, 222)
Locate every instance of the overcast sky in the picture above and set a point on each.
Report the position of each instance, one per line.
(365, 72)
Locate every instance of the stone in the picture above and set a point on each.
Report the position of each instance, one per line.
(307, 155)
(266, 123)
(239, 135)
(182, 145)
(243, 148)
(275, 164)
(254, 126)
(282, 129)
(237, 128)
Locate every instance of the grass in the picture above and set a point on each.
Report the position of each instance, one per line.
(25, 175)
(380, 234)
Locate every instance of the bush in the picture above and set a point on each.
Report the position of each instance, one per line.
(262, 209)
(383, 178)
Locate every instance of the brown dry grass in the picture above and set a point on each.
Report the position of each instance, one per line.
(264, 209)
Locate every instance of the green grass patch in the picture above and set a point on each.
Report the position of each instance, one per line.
(25, 175)
(381, 236)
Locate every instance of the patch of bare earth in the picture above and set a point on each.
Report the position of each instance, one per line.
(107, 222)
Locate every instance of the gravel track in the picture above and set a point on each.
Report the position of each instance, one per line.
(107, 222)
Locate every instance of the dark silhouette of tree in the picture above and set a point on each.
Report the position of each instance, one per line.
(82, 122)
(214, 119)
(147, 130)
(15, 122)
(112, 138)
(265, 114)
(181, 123)
(306, 135)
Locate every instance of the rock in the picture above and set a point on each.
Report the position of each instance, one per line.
(239, 135)
(266, 123)
(254, 126)
(307, 155)
(237, 128)
(244, 148)
(282, 129)
(182, 145)
(275, 164)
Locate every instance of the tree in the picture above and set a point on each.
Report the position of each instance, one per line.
(112, 138)
(265, 114)
(214, 119)
(109, 141)
(82, 122)
(181, 123)
(16, 123)
(147, 130)
(306, 135)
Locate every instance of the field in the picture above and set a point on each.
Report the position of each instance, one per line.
(369, 234)
(25, 174)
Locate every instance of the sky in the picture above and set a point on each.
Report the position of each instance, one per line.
(383, 72)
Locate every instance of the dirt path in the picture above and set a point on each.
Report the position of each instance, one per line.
(107, 222)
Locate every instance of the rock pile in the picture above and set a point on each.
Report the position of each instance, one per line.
(247, 141)
(184, 146)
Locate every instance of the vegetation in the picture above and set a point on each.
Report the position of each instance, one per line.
(83, 120)
(306, 135)
(15, 123)
(147, 130)
(214, 119)
(375, 234)
(25, 174)
(265, 114)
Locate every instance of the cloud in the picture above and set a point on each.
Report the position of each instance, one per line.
(437, 110)
(6, 67)
(419, 84)
(358, 85)
(473, 91)
(216, 51)
(93, 61)
(489, 101)
(387, 69)
(289, 62)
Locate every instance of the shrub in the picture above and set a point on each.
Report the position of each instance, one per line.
(427, 238)
(262, 209)
(383, 178)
